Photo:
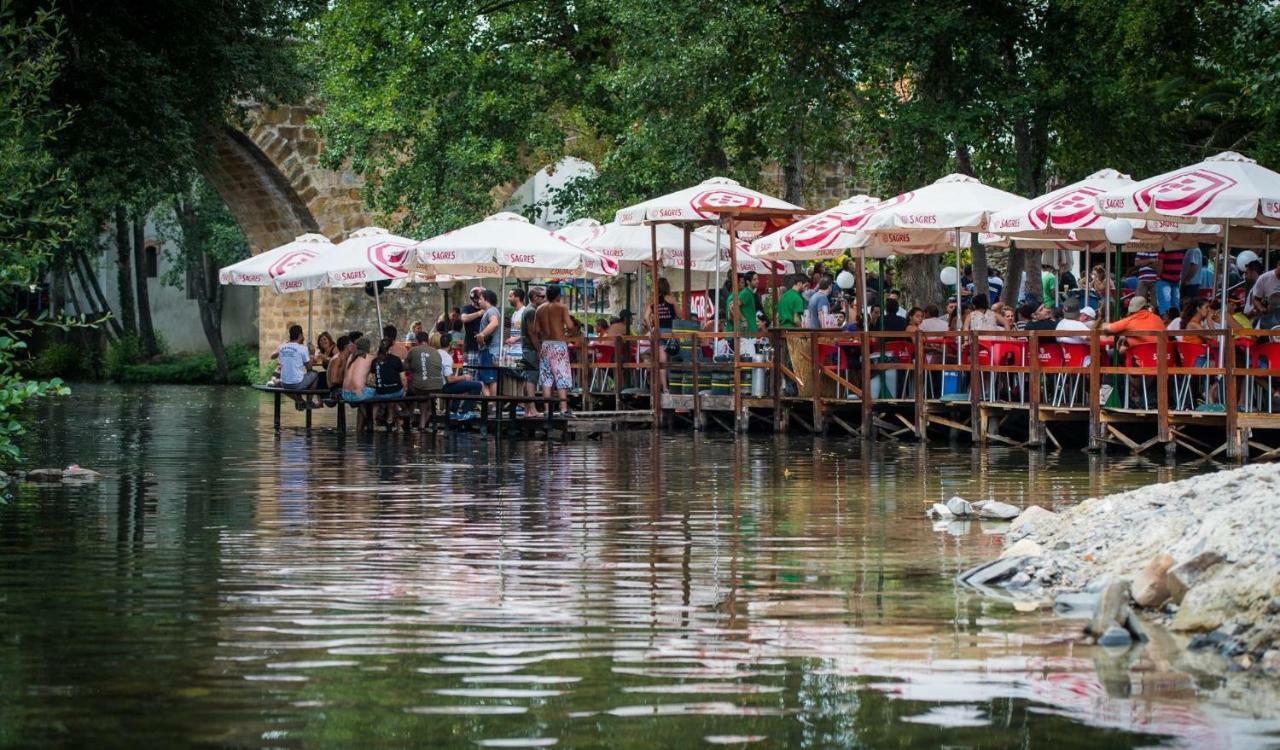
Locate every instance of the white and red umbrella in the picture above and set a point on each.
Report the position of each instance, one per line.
(820, 236)
(263, 268)
(579, 232)
(701, 203)
(507, 245)
(1227, 189)
(369, 254)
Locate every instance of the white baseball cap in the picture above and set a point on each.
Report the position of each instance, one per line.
(1088, 311)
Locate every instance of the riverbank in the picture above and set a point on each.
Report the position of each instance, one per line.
(1200, 557)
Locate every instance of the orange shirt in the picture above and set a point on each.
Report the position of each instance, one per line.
(1143, 320)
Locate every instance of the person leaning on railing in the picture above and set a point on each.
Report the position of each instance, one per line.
(1140, 318)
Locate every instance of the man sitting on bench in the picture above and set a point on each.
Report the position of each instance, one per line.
(294, 375)
(432, 368)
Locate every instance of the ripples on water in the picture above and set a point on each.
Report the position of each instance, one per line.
(228, 586)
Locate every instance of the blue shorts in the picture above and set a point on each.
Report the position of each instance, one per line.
(386, 396)
(488, 376)
(351, 397)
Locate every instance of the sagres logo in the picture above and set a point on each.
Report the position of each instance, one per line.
(705, 202)
(388, 258)
(1072, 210)
(1185, 193)
(290, 261)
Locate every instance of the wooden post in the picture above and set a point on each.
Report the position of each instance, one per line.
(979, 430)
(276, 421)
(815, 379)
(1163, 433)
(342, 416)
(696, 350)
(1237, 444)
(863, 336)
(739, 424)
(618, 353)
(775, 344)
(922, 405)
(1035, 426)
(1095, 388)
(655, 388)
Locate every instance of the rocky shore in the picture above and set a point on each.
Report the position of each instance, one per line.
(1199, 557)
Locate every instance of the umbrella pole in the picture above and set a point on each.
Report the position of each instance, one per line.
(502, 313)
(1226, 258)
(628, 306)
(309, 293)
(377, 301)
(688, 273)
(655, 390)
(717, 311)
(959, 300)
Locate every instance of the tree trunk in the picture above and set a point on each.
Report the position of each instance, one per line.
(918, 280)
(97, 300)
(791, 175)
(203, 278)
(66, 291)
(146, 331)
(124, 280)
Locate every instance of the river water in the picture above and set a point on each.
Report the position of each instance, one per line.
(228, 586)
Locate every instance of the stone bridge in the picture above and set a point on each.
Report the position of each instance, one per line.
(270, 177)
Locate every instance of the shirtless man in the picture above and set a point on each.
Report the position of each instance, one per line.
(549, 326)
(355, 387)
(338, 368)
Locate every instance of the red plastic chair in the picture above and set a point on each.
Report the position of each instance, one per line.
(1003, 353)
(601, 354)
(1263, 356)
(1145, 356)
(1190, 355)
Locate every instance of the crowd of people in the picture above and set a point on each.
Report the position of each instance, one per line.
(468, 346)
(462, 355)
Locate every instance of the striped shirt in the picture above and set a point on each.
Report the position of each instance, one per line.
(1147, 273)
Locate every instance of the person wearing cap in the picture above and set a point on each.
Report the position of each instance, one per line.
(1140, 318)
(1071, 321)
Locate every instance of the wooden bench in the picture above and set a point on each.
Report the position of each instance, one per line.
(431, 397)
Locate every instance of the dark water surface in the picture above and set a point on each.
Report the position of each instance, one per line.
(227, 586)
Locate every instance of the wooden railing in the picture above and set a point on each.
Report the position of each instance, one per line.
(828, 368)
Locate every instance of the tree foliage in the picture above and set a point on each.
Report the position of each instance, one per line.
(34, 197)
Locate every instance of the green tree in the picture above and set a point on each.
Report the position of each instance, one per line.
(34, 198)
(203, 236)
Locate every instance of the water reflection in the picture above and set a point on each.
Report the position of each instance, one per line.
(230, 585)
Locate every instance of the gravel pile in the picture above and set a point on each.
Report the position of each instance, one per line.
(1200, 556)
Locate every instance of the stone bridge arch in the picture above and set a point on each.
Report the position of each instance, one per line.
(269, 175)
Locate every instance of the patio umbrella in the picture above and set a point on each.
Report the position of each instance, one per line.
(703, 204)
(819, 236)
(368, 255)
(930, 219)
(505, 245)
(263, 268)
(1228, 190)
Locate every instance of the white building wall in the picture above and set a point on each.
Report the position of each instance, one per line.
(175, 317)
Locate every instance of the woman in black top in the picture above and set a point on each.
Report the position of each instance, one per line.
(666, 307)
(388, 372)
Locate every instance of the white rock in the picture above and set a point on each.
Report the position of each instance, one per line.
(940, 512)
(959, 506)
(1023, 548)
(1034, 518)
(1002, 511)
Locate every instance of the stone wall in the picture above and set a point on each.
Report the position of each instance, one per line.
(270, 176)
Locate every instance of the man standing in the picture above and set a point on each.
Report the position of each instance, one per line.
(747, 302)
(1169, 279)
(488, 343)
(470, 317)
(819, 304)
(791, 304)
(294, 374)
(1189, 286)
(549, 326)
(529, 347)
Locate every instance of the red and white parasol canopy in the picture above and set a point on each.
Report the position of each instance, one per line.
(701, 203)
(580, 231)
(956, 202)
(506, 244)
(1224, 189)
(369, 254)
(262, 268)
(820, 236)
